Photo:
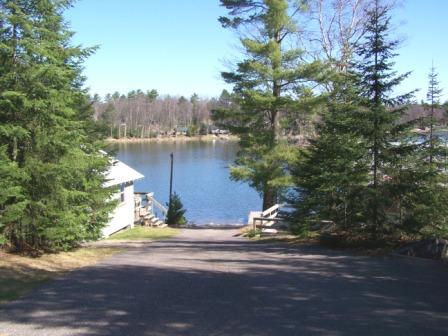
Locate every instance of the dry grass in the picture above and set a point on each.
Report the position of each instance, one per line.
(143, 232)
(20, 274)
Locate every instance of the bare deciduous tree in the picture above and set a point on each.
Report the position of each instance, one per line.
(336, 27)
(147, 113)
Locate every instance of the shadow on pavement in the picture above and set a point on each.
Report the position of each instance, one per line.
(183, 287)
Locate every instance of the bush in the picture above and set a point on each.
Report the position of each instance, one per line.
(192, 130)
(253, 233)
(176, 211)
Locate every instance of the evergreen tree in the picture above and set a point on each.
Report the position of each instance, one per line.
(225, 99)
(364, 170)
(331, 174)
(377, 80)
(152, 95)
(50, 166)
(429, 207)
(266, 86)
(433, 99)
(176, 211)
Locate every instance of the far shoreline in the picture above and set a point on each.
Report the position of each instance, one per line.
(179, 138)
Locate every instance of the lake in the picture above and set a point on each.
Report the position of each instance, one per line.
(201, 178)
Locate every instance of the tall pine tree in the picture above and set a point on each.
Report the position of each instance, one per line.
(266, 86)
(385, 134)
(433, 98)
(49, 161)
(430, 210)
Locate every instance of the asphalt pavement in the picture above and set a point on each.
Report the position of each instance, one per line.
(212, 282)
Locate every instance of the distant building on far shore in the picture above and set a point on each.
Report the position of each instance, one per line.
(217, 131)
(181, 130)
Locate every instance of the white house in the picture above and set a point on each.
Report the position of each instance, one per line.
(121, 175)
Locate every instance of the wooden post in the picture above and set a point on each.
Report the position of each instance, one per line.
(171, 180)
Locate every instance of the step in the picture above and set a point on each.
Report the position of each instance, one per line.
(153, 221)
(159, 223)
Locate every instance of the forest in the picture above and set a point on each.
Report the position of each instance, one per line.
(314, 105)
(375, 169)
(148, 115)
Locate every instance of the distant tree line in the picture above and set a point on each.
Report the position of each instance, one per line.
(147, 114)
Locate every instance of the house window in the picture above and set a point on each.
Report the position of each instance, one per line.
(122, 192)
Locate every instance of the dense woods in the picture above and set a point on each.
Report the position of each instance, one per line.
(51, 170)
(366, 170)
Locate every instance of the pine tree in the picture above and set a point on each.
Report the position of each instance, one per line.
(433, 99)
(377, 80)
(429, 210)
(364, 170)
(49, 159)
(331, 174)
(176, 211)
(266, 86)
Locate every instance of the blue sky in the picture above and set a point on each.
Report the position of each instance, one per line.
(178, 47)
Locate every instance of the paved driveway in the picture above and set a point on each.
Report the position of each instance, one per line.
(208, 282)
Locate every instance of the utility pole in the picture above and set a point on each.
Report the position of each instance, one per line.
(171, 180)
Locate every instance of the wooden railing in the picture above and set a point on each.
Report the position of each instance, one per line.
(159, 206)
(263, 221)
(152, 204)
(267, 217)
(272, 211)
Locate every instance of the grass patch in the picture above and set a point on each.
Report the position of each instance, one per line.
(252, 233)
(20, 274)
(143, 232)
(280, 237)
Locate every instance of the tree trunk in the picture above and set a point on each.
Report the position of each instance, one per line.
(269, 197)
(431, 136)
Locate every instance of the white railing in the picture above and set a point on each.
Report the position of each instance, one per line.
(267, 217)
(272, 211)
(151, 204)
(159, 206)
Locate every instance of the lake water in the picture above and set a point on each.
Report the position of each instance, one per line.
(201, 178)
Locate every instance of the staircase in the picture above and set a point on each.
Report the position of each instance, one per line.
(153, 221)
(148, 215)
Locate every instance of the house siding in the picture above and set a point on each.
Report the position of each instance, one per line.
(123, 215)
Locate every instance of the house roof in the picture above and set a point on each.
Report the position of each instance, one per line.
(119, 173)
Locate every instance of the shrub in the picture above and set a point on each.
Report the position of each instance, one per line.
(176, 211)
